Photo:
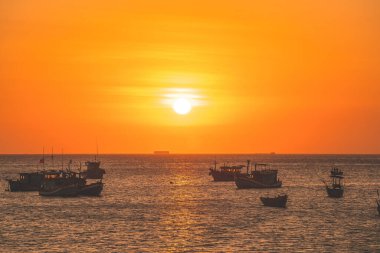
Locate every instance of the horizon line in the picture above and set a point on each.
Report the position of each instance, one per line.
(257, 153)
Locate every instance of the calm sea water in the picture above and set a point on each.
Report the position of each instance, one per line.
(170, 204)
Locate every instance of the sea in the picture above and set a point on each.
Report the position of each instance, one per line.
(169, 203)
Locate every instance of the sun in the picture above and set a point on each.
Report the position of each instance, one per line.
(182, 106)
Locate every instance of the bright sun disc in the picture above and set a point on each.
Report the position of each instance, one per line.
(182, 106)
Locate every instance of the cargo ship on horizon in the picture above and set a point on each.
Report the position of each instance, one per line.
(161, 152)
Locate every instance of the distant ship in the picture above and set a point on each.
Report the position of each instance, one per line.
(163, 152)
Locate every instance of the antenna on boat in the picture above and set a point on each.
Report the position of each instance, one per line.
(52, 156)
(43, 158)
(62, 159)
(248, 162)
(97, 149)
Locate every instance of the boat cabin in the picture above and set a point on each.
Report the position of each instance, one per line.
(93, 170)
(92, 165)
(31, 178)
(26, 182)
(225, 172)
(232, 169)
(60, 177)
(264, 174)
(260, 177)
(336, 172)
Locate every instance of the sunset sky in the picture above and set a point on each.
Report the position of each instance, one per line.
(260, 76)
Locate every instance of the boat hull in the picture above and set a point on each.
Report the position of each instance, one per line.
(244, 182)
(91, 190)
(63, 191)
(279, 201)
(334, 192)
(17, 186)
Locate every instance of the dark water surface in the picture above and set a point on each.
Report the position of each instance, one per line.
(170, 204)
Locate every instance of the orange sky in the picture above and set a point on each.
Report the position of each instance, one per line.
(262, 76)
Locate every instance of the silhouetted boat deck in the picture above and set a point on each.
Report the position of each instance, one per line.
(225, 172)
(68, 184)
(279, 201)
(259, 178)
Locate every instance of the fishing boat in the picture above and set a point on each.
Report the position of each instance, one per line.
(26, 182)
(261, 177)
(85, 188)
(336, 189)
(279, 201)
(93, 170)
(81, 179)
(68, 184)
(225, 173)
(59, 183)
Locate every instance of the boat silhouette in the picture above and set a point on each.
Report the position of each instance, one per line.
(225, 172)
(261, 177)
(279, 201)
(336, 189)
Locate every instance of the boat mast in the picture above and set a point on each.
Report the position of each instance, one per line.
(62, 159)
(52, 156)
(43, 158)
(97, 150)
(248, 162)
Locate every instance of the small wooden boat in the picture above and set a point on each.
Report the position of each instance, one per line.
(225, 173)
(259, 178)
(26, 182)
(336, 189)
(279, 201)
